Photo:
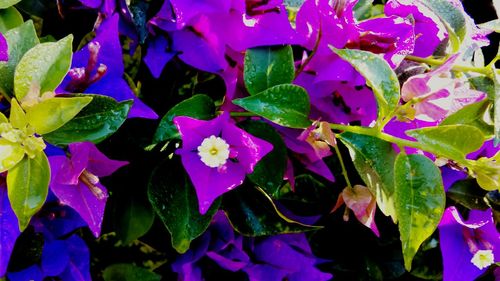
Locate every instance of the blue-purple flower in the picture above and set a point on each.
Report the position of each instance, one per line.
(217, 155)
(4, 49)
(8, 229)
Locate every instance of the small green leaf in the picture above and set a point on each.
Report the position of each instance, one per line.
(467, 193)
(473, 115)
(374, 160)
(10, 154)
(9, 19)
(28, 186)
(363, 9)
(199, 107)
(451, 141)
(17, 115)
(253, 213)
(45, 64)
(268, 66)
(451, 16)
(53, 113)
(268, 173)
(379, 76)
(491, 25)
(7, 3)
(287, 105)
(95, 122)
(20, 40)
(134, 220)
(419, 199)
(174, 199)
(128, 272)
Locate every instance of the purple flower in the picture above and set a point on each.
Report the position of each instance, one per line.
(106, 7)
(469, 247)
(217, 155)
(75, 181)
(4, 49)
(98, 68)
(8, 229)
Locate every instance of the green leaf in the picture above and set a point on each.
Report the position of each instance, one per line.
(174, 199)
(10, 154)
(268, 66)
(268, 173)
(374, 160)
(128, 272)
(473, 115)
(450, 15)
(252, 213)
(28, 186)
(287, 105)
(102, 117)
(7, 3)
(379, 76)
(419, 199)
(491, 25)
(199, 107)
(17, 116)
(53, 113)
(20, 40)
(9, 19)
(467, 193)
(451, 141)
(363, 9)
(484, 84)
(496, 106)
(45, 64)
(135, 220)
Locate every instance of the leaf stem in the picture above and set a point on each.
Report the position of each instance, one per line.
(437, 62)
(7, 97)
(313, 52)
(342, 165)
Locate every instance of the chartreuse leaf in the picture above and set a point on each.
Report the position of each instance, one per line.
(20, 40)
(28, 186)
(45, 65)
(10, 154)
(473, 115)
(7, 3)
(268, 173)
(95, 122)
(135, 220)
(174, 199)
(10, 18)
(128, 272)
(419, 200)
(379, 76)
(17, 116)
(53, 113)
(268, 66)
(199, 107)
(374, 160)
(451, 141)
(287, 105)
(252, 213)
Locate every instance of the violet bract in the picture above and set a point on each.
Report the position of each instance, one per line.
(4, 49)
(217, 155)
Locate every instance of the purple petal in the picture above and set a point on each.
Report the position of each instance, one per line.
(450, 176)
(91, 3)
(55, 257)
(4, 49)
(98, 163)
(231, 258)
(258, 272)
(157, 55)
(78, 268)
(194, 131)
(187, 10)
(32, 273)
(8, 230)
(164, 19)
(61, 221)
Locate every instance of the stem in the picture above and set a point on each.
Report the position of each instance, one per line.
(5, 96)
(344, 170)
(437, 62)
(313, 52)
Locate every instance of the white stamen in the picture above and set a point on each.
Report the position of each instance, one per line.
(483, 259)
(214, 151)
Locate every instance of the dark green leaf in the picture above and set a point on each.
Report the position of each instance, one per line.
(473, 115)
(45, 64)
(20, 40)
(484, 84)
(374, 161)
(174, 199)
(128, 272)
(199, 107)
(9, 19)
(135, 220)
(467, 193)
(268, 66)
(253, 213)
(98, 120)
(28, 186)
(287, 105)
(379, 76)
(268, 173)
(451, 141)
(7, 3)
(419, 200)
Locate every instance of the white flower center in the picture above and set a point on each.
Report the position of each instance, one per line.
(213, 151)
(483, 259)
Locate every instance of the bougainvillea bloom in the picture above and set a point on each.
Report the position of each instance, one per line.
(4, 54)
(8, 229)
(468, 247)
(75, 181)
(217, 155)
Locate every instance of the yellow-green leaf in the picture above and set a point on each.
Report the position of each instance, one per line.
(10, 154)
